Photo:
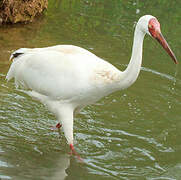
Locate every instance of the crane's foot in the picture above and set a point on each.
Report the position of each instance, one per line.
(73, 152)
(58, 126)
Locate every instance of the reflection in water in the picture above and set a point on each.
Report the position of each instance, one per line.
(62, 166)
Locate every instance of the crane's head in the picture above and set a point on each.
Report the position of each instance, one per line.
(150, 25)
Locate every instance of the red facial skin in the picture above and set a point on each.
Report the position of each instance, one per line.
(154, 29)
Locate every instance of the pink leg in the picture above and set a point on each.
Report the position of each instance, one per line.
(73, 152)
(58, 126)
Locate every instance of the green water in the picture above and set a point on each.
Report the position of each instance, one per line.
(132, 134)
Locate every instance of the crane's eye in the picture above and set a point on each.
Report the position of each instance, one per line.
(150, 26)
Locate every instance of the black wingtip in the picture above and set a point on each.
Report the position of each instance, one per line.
(15, 55)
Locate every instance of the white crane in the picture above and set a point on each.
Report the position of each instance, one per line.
(67, 78)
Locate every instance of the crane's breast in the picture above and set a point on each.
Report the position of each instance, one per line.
(105, 74)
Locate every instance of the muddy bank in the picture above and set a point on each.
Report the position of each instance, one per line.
(13, 11)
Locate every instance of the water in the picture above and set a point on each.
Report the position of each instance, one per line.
(131, 134)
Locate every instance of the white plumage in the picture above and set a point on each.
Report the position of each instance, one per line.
(66, 78)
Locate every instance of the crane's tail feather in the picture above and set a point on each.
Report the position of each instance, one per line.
(18, 53)
(14, 66)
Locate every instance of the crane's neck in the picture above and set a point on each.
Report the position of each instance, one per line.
(131, 73)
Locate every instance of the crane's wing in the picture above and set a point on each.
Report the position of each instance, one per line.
(55, 72)
(62, 72)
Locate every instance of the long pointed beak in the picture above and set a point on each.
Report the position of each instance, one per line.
(159, 37)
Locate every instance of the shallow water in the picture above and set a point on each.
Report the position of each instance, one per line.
(131, 134)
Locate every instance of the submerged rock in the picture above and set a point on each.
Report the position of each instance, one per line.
(13, 11)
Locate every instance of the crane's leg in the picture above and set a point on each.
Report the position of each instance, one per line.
(65, 116)
(58, 126)
(73, 152)
(44, 100)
